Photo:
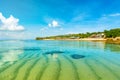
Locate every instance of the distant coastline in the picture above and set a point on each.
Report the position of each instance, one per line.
(109, 36)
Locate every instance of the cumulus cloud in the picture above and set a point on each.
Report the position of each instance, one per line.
(53, 24)
(10, 24)
(53, 28)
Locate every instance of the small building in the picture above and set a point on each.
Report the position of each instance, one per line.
(97, 36)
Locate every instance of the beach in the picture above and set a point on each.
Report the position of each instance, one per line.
(107, 40)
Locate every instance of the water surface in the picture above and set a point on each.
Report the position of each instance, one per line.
(58, 60)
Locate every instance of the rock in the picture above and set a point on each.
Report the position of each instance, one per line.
(77, 56)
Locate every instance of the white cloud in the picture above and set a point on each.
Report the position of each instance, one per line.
(61, 29)
(10, 24)
(79, 17)
(49, 25)
(53, 24)
(72, 32)
(44, 29)
(53, 28)
(112, 15)
(116, 14)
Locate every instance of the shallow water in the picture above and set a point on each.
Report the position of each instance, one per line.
(59, 60)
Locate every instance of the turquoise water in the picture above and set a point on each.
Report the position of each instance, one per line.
(58, 60)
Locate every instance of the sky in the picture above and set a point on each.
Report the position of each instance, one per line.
(28, 19)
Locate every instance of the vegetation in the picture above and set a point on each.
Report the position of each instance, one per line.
(112, 33)
(106, 34)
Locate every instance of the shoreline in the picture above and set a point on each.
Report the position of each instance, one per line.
(113, 40)
(82, 39)
(106, 40)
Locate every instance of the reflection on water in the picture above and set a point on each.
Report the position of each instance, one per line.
(88, 45)
(8, 52)
(10, 56)
(53, 56)
(81, 44)
(113, 47)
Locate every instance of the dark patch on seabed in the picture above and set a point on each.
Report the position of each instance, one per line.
(77, 56)
(54, 52)
(29, 49)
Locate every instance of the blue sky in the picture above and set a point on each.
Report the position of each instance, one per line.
(32, 18)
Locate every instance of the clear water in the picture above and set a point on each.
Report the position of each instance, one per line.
(52, 60)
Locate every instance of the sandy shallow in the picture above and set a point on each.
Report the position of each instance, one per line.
(62, 67)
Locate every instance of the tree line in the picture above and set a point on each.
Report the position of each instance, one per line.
(112, 33)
